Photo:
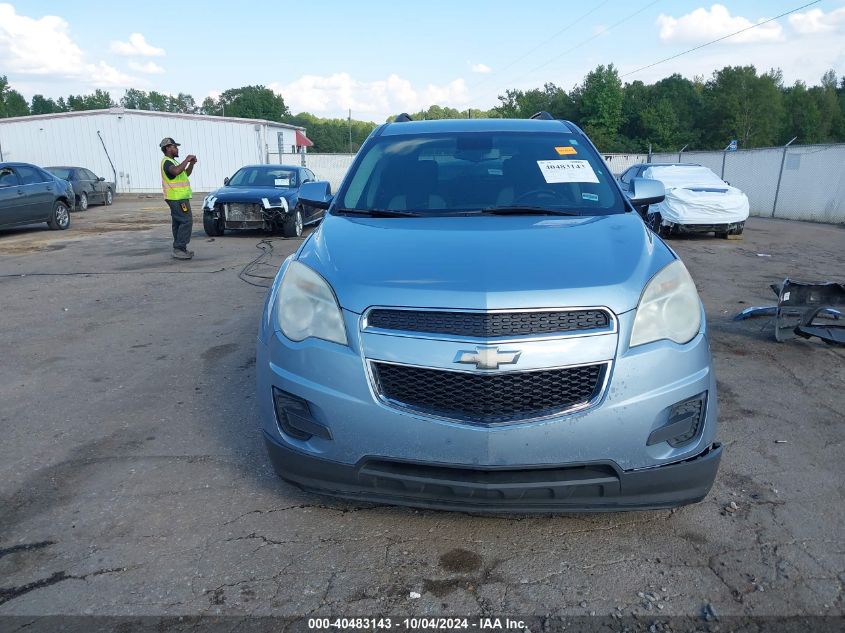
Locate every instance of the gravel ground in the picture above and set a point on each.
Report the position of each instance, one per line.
(133, 479)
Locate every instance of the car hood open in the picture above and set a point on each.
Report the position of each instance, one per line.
(486, 262)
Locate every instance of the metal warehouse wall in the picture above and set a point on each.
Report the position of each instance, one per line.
(132, 138)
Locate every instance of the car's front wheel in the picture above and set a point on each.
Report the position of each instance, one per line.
(83, 201)
(292, 225)
(213, 227)
(59, 218)
(655, 223)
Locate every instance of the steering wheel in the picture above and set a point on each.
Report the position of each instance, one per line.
(541, 193)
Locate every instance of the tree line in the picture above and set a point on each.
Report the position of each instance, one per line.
(736, 102)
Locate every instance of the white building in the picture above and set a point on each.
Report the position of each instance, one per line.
(123, 144)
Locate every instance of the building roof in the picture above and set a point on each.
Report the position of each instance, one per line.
(129, 111)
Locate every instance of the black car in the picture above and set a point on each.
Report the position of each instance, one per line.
(29, 194)
(89, 187)
(261, 197)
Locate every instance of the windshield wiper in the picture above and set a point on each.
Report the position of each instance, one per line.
(378, 213)
(524, 210)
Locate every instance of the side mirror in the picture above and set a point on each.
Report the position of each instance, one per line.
(225, 181)
(101, 179)
(645, 191)
(316, 194)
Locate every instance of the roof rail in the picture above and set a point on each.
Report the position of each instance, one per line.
(402, 118)
(543, 116)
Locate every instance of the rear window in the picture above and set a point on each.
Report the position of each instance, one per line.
(467, 171)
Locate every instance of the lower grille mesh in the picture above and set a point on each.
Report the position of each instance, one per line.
(478, 398)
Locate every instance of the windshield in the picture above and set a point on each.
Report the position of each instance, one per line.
(60, 172)
(273, 177)
(467, 172)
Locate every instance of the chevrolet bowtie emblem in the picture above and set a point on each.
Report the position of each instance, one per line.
(487, 357)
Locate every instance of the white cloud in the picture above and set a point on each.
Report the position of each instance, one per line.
(44, 48)
(480, 68)
(150, 68)
(703, 25)
(137, 46)
(334, 94)
(817, 21)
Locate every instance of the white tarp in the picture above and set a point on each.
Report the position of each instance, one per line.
(695, 195)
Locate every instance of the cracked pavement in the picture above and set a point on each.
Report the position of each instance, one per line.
(133, 479)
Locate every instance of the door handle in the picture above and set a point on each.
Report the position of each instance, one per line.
(20, 193)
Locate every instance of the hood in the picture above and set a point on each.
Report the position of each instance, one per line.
(251, 194)
(487, 262)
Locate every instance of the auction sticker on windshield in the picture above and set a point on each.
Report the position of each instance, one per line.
(556, 171)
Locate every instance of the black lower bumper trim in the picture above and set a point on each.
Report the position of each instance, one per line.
(589, 487)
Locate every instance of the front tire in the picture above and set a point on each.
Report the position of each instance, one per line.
(292, 224)
(655, 223)
(213, 227)
(59, 219)
(83, 201)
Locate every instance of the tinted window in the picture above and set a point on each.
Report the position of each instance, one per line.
(30, 175)
(466, 171)
(7, 178)
(264, 177)
(88, 175)
(65, 173)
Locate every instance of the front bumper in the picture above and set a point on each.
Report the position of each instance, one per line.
(596, 486)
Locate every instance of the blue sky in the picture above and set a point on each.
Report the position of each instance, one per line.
(325, 56)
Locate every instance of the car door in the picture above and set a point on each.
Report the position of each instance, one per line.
(39, 194)
(98, 187)
(11, 198)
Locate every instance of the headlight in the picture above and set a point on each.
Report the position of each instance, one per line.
(669, 308)
(307, 307)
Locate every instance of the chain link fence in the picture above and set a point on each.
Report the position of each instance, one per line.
(794, 183)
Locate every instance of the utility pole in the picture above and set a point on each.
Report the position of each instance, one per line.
(681, 153)
(780, 174)
(350, 130)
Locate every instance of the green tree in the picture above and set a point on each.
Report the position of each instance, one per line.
(661, 127)
(253, 102)
(742, 105)
(12, 102)
(831, 119)
(42, 105)
(802, 117)
(599, 103)
(135, 100)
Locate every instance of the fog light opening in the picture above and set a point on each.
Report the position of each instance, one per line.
(294, 418)
(685, 423)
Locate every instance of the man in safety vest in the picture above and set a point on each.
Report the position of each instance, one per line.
(177, 193)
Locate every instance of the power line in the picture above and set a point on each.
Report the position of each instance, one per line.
(541, 44)
(724, 37)
(588, 40)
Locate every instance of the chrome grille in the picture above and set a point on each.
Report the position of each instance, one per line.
(489, 398)
(488, 324)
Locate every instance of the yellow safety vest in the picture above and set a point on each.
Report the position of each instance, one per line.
(178, 188)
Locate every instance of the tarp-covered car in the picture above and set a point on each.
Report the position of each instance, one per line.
(261, 197)
(697, 201)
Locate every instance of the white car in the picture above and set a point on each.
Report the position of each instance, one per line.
(697, 200)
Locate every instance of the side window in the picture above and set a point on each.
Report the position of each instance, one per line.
(29, 175)
(90, 175)
(309, 176)
(626, 177)
(8, 178)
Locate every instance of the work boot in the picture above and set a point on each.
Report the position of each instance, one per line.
(190, 253)
(177, 254)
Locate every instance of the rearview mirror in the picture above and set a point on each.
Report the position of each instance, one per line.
(316, 194)
(101, 179)
(645, 191)
(225, 181)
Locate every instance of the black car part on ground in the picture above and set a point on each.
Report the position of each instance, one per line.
(800, 306)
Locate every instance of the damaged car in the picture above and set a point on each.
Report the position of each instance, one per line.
(482, 322)
(697, 200)
(261, 197)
